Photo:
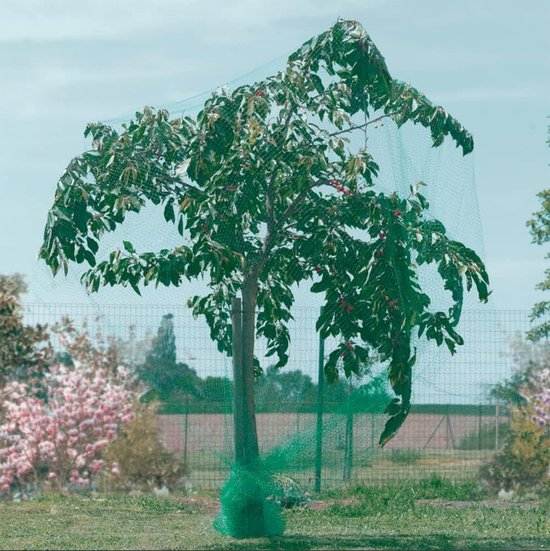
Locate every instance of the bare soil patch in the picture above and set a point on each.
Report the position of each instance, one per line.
(488, 503)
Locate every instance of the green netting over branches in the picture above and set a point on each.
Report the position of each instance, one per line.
(303, 183)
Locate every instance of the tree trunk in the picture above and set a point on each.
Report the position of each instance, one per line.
(249, 293)
(248, 520)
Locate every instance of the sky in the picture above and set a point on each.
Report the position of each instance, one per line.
(66, 63)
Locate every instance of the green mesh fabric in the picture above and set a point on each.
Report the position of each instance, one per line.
(319, 448)
(248, 507)
(252, 498)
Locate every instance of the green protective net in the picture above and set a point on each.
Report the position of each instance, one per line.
(248, 506)
(287, 474)
(314, 190)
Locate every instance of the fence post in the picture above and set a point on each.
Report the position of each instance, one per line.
(348, 446)
(479, 427)
(497, 423)
(320, 407)
(372, 429)
(186, 430)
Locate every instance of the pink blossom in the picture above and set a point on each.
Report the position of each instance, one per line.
(539, 395)
(83, 409)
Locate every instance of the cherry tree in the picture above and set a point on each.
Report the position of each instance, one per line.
(267, 190)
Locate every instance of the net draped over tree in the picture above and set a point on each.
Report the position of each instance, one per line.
(268, 189)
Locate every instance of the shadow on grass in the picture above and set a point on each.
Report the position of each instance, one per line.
(425, 542)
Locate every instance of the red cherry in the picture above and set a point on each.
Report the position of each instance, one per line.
(380, 252)
(397, 213)
(382, 235)
(334, 182)
(259, 92)
(318, 269)
(349, 308)
(341, 303)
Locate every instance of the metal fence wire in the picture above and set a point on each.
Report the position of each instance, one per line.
(329, 432)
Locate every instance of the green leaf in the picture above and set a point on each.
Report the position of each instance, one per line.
(169, 214)
(93, 245)
(393, 424)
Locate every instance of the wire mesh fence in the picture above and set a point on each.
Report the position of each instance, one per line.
(454, 427)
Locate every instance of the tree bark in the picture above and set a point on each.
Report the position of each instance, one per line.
(251, 522)
(249, 294)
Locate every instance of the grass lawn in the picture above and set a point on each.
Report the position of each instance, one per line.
(429, 515)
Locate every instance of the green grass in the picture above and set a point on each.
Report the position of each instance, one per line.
(366, 518)
(388, 466)
(405, 456)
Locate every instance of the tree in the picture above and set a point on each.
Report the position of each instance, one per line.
(24, 349)
(217, 391)
(530, 360)
(277, 390)
(265, 185)
(539, 227)
(524, 461)
(161, 369)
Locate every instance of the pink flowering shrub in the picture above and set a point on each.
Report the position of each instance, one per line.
(524, 461)
(55, 438)
(539, 397)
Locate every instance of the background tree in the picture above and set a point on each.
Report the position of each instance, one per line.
(277, 390)
(169, 379)
(24, 349)
(133, 349)
(539, 227)
(530, 359)
(268, 189)
(218, 392)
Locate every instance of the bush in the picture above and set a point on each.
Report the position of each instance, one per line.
(143, 460)
(524, 462)
(56, 438)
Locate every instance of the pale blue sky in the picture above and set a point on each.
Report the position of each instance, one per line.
(66, 63)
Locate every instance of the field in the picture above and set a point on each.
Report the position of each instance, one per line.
(428, 444)
(429, 515)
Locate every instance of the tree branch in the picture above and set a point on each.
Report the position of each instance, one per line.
(359, 126)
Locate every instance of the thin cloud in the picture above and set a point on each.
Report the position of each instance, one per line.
(63, 20)
(479, 94)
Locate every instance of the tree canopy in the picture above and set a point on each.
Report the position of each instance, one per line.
(539, 227)
(24, 349)
(268, 191)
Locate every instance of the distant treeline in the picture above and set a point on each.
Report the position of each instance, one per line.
(179, 389)
(276, 391)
